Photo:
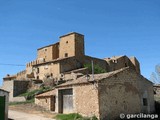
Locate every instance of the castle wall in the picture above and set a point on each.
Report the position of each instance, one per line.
(21, 75)
(119, 62)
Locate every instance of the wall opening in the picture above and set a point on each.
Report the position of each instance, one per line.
(53, 102)
(145, 102)
(65, 98)
(66, 54)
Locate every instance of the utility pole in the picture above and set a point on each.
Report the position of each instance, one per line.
(92, 70)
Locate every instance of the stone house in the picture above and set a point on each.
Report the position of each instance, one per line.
(4, 96)
(106, 96)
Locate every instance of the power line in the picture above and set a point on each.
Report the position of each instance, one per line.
(11, 64)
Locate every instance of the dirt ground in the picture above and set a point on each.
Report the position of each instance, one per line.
(32, 109)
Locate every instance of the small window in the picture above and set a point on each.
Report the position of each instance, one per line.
(66, 42)
(51, 74)
(145, 103)
(45, 49)
(66, 55)
(126, 65)
(37, 77)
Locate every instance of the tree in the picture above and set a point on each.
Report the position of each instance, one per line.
(155, 76)
(97, 68)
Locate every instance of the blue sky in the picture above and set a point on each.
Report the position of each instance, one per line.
(111, 27)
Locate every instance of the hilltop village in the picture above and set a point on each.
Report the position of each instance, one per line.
(120, 88)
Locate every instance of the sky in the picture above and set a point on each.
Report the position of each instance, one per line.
(111, 28)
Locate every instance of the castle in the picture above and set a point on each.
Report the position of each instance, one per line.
(68, 55)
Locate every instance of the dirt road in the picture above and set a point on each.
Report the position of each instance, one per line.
(17, 115)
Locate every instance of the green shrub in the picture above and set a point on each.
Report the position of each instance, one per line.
(72, 116)
(97, 68)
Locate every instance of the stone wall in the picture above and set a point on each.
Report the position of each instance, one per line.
(146, 91)
(118, 94)
(44, 102)
(86, 100)
(136, 63)
(118, 62)
(8, 86)
(46, 70)
(70, 64)
(100, 62)
(21, 75)
(15, 87)
(49, 53)
(123, 93)
(20, 87)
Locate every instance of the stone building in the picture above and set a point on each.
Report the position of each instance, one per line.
(4, 96)
(15, 88)
(106, 96)
(54, 60)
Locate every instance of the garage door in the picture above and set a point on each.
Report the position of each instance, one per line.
(65, 101)
(2, 107)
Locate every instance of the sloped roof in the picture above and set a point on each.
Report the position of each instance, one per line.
(4, 90)
(82, 80)
(97, 77)
(46, 94)
(11, 76)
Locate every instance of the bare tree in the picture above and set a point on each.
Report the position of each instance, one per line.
(155, 76)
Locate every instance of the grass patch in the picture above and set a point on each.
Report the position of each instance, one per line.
(30, 94)
(73, 116)
(24, 102)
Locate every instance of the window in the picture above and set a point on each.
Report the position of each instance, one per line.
(66, 55)
(51, 74)
(115, 61)
(37, 77)
(45, 49)
(66, 42)
(126, 65)
(145, 103)
(37, 70)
